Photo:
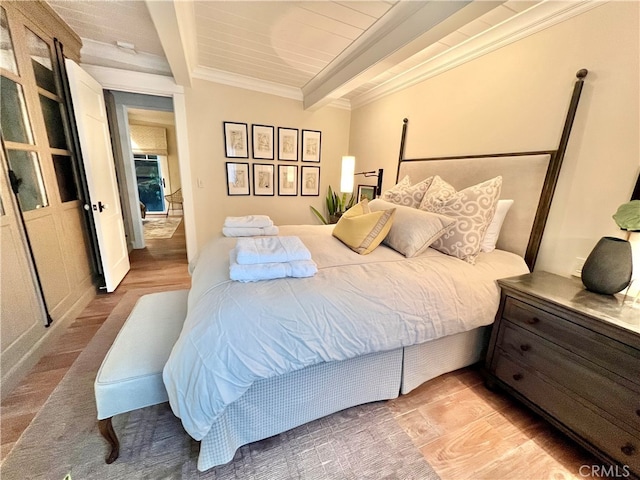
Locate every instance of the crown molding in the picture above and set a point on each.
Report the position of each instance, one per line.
(262, 86)
(526, 23)
(99, 53)
(248, 83)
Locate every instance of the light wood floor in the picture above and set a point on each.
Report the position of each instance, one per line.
(463, 430)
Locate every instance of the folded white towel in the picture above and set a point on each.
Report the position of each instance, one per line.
(249, 231)
(252, 250)
(257, 221)
(269, 271)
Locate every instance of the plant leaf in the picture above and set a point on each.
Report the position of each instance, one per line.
(320, 216)
(628, 216)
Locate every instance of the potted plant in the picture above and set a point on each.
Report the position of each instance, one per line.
(336, 205)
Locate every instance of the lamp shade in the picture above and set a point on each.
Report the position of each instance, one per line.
(348, 170)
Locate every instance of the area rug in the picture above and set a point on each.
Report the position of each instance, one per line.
(63, 438)
(160, 227)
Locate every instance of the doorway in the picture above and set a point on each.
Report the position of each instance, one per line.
(154, 184)
(147, 162)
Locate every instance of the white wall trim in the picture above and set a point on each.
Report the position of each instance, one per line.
(248, 83)
(148, 84)
(99, 51)
(262, 86)
(134, 82)
(533, 20)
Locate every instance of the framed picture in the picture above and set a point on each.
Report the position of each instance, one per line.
(237, 178)
(366, 191)
(236, 143)
(263, 179)
(287, 180)
(310, 181)
(288, 144)
(311, 143)
(262, 141)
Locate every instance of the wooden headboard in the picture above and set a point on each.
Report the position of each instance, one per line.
(529, 178)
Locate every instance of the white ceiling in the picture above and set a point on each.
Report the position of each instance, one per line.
(346, 52)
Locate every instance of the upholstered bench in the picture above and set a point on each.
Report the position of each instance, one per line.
(130, 376)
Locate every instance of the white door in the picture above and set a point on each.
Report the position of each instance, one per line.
(95, 142)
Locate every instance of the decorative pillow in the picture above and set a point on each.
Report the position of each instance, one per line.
(359, 208)
(413, 230)
(493, 231)
(362, 233)
(473, 209)
(403, 193)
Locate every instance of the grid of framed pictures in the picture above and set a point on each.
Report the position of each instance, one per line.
(266, 142)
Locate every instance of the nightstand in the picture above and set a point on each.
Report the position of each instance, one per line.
(572, 356)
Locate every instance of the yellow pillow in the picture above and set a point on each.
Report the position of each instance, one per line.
(359, 208)
(363, 232)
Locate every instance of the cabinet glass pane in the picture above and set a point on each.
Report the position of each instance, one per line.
(7, 57)
(14, 120)
(53, 121)
(66, 178)
(41, 62)
(31, 191)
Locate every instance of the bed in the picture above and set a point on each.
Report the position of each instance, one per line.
(256, 359)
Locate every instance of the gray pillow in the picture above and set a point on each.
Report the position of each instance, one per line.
(413, 230)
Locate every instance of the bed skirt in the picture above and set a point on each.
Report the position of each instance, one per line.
(429, 360)
(277, 404)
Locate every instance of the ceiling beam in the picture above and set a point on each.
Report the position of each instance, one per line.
(407, 28)
(175, 22)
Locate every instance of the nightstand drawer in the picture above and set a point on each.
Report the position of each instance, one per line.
(615, 442)
(613, 356)
(574, 373)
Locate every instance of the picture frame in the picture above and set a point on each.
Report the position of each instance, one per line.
(263, 179)
(236, 142)
(262, 136)
(288, 180)
(288, 144)
(366, 191)
(237, 178)
(310, 181)
(311, 145)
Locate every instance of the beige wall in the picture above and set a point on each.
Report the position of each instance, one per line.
(515, 99)
(208, 105)
(172, 158)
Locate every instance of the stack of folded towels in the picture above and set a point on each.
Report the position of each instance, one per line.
(249, 226)
(266, 258)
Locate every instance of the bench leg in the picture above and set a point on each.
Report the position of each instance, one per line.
(107, 431)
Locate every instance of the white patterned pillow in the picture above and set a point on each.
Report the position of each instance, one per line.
(473, 208)
(403, 193)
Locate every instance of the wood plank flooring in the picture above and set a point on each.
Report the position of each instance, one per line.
(162, 265)
(463, 430)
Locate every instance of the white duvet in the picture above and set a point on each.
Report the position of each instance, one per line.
(237, 333)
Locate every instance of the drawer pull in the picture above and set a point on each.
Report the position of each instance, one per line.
(517, 376)
(628, 449)
(525, 347)
(638, 412)
(533, 321)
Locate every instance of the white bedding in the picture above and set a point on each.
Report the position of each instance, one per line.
(237, 333)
